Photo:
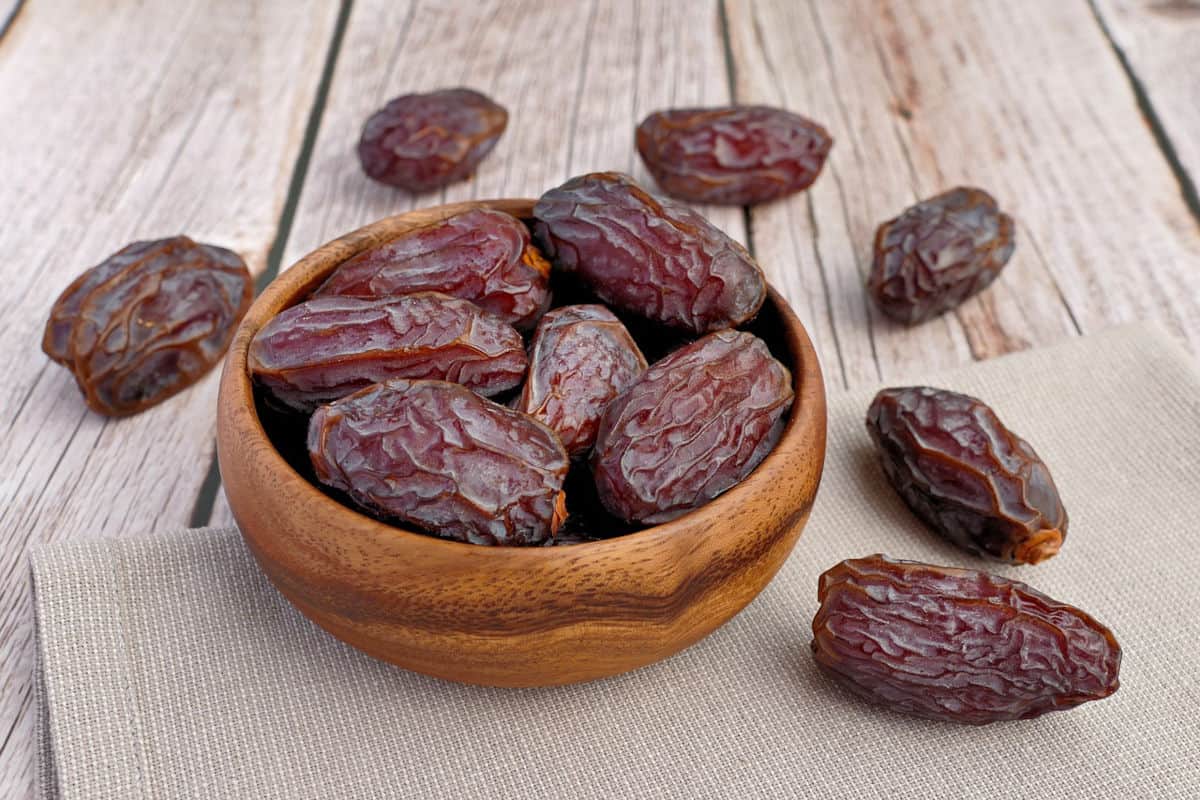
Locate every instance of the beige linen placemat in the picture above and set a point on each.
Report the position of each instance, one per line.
(170, 668)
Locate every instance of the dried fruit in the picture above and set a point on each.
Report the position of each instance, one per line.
(966, 475)
(580, 359)
(422, 141)
(148, 321)
(693, 425)
(736, 155)
(647, 255)
(438, 456)
(938, 253)
(479, 255)
(957, 645)
(328, 347)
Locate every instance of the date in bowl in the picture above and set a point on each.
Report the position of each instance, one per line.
(509, 616)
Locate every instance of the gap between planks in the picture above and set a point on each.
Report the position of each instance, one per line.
(206, 497)
(1154, 119)
(9, 19)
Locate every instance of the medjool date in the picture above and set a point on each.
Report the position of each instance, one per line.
(693, 425)
(966, 475)
(957, 645)
(423, 141)
(328, 347)
(736, 155)
(648, 255)
(580, 359)
(479, 255)
(938, 253)
(148, 321)
(438, 456)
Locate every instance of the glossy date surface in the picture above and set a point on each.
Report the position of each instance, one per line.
(328, 347)
(648, 255)
(957, 645)
(479, 255)
(734, 155)
(148, 322)
(694, 424)
(938, 253)
(440, 457)
(580, 359)
(966, 475)
(421, 142)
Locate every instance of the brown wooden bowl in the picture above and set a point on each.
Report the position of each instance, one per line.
(511, 616)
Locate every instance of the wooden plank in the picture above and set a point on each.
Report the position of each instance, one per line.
(573, 105)
(124, 121)
(1160, 41)
(1025, 99)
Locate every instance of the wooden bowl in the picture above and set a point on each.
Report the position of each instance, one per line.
(510, 616)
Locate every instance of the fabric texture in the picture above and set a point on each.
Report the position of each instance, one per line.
(170, 668)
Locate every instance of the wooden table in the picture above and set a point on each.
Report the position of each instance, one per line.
(236, 122)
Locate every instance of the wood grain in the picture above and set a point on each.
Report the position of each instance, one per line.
(573, 105)
(1024, 99)
(1160, 40)
(124, 121)
(511, 616)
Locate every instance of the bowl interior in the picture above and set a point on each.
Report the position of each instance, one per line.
(776, 324)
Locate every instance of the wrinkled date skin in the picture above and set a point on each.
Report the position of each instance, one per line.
(694, 424)
(148, 321)
(438, 456)
(647, 255)
(421, 142)
(328, 347)
(966, 475)
(480, 255)
(581, 358)
(957, 645)
(737, 155)
(938, 253)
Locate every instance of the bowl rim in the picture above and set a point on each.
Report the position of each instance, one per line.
(308, 272)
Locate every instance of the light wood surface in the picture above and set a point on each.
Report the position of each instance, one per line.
(511, 616)
(123, 119)
(1026, 100)
(1160, 41)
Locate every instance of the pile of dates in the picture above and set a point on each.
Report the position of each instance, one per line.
(481, 379)
(477, 378)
